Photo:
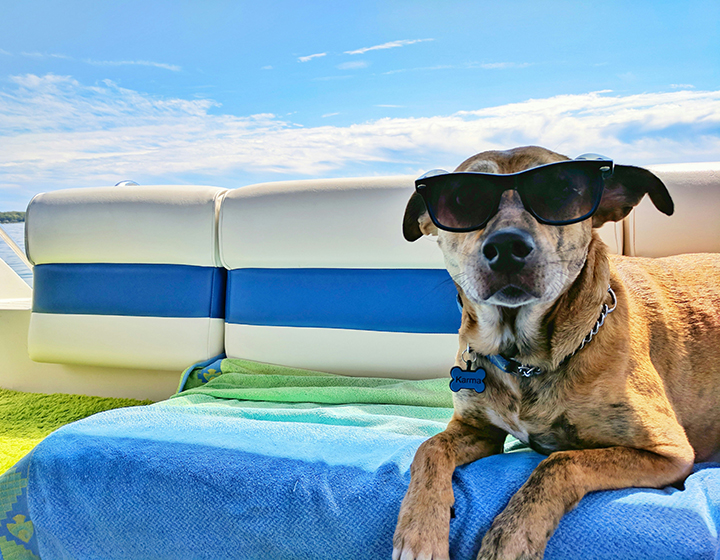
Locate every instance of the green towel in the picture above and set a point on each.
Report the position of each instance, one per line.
(258, 391)
(267, 392)
(253, 381)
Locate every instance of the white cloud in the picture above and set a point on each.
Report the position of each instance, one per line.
(173, 67)
(57, 132)
(389, 45)
(310, 57)
(466, 66)
(354, 65)
(45, 55)
(421, 69)
(326, 115)
(162, 65)
(332, 78)
(500, 65)
(682, 86)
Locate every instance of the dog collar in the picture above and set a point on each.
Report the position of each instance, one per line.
(518, 369)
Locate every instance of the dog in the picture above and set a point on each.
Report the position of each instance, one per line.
(621, 382)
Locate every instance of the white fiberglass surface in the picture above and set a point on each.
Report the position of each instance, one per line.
(16, 231)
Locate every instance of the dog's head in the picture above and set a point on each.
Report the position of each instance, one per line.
(515, 260)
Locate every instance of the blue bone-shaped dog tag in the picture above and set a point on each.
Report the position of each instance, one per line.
(467, 379)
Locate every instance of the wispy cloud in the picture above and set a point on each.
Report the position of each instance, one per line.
(45, 55)
(40, 55)
(419, 69)
(332, 78)
(391, 106)
(310, 57)
(389, 45)
(3, 51)
(57, 131)
(682, 86)
(326, 115)
(172, 67)
(465, 66)
(354, 65)
(499, 65)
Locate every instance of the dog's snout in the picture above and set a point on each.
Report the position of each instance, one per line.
(508, 250)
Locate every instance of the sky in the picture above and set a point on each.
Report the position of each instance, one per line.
(231, 93)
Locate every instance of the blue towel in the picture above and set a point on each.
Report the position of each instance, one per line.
(170, 482)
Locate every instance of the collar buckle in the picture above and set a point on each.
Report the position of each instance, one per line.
(529, 371)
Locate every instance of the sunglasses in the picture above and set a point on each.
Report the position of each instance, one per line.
(557, 194)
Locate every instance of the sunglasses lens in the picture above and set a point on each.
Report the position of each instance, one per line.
(556, 194)
(563, 193)
(461, 201)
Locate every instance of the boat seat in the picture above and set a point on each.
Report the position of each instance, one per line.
(694, 227)
(126, 276)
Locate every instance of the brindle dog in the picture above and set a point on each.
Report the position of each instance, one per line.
(634, 408)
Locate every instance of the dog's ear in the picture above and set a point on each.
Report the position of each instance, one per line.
(625, 189)
(417, 222)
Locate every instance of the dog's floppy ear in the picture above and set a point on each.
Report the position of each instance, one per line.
(417, 222)
(625, 189)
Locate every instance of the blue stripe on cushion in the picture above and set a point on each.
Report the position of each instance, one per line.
(143, 290)
(394, 300)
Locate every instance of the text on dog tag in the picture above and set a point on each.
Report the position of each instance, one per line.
(467, 379)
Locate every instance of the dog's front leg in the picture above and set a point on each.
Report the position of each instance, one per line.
(522, 530)
(423, 526)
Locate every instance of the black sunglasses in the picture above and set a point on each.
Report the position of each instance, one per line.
(557, 194)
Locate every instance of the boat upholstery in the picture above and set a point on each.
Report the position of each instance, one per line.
(126, 276)
(319, 276)
(694, 227)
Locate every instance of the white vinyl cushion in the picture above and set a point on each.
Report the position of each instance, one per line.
(128, 273)
(346, 352)
(171, 224)
(694, 227)
(333, 223)
(163, 343)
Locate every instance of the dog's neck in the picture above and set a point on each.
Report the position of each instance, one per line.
(542, 334)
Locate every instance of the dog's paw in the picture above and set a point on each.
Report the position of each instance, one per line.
(511, 539)
(422, 534)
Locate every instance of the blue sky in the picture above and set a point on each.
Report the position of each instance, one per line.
(230, 93)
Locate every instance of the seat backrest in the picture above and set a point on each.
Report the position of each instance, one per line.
(126, 276)
(694, 227)
(320, 277)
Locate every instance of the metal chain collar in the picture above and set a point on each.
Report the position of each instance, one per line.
(518, 369)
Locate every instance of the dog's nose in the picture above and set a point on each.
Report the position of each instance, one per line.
(507, 250)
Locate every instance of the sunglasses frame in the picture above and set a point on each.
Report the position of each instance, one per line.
(602, 164)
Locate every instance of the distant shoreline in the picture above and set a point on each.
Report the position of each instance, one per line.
(12, 217)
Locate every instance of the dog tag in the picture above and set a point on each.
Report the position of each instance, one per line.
(467, 379)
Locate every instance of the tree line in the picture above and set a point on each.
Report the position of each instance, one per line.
(11, 217)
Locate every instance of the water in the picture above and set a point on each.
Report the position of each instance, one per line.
(17, 234)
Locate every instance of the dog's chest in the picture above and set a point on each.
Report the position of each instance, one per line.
(539, 418)
(511, 423)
